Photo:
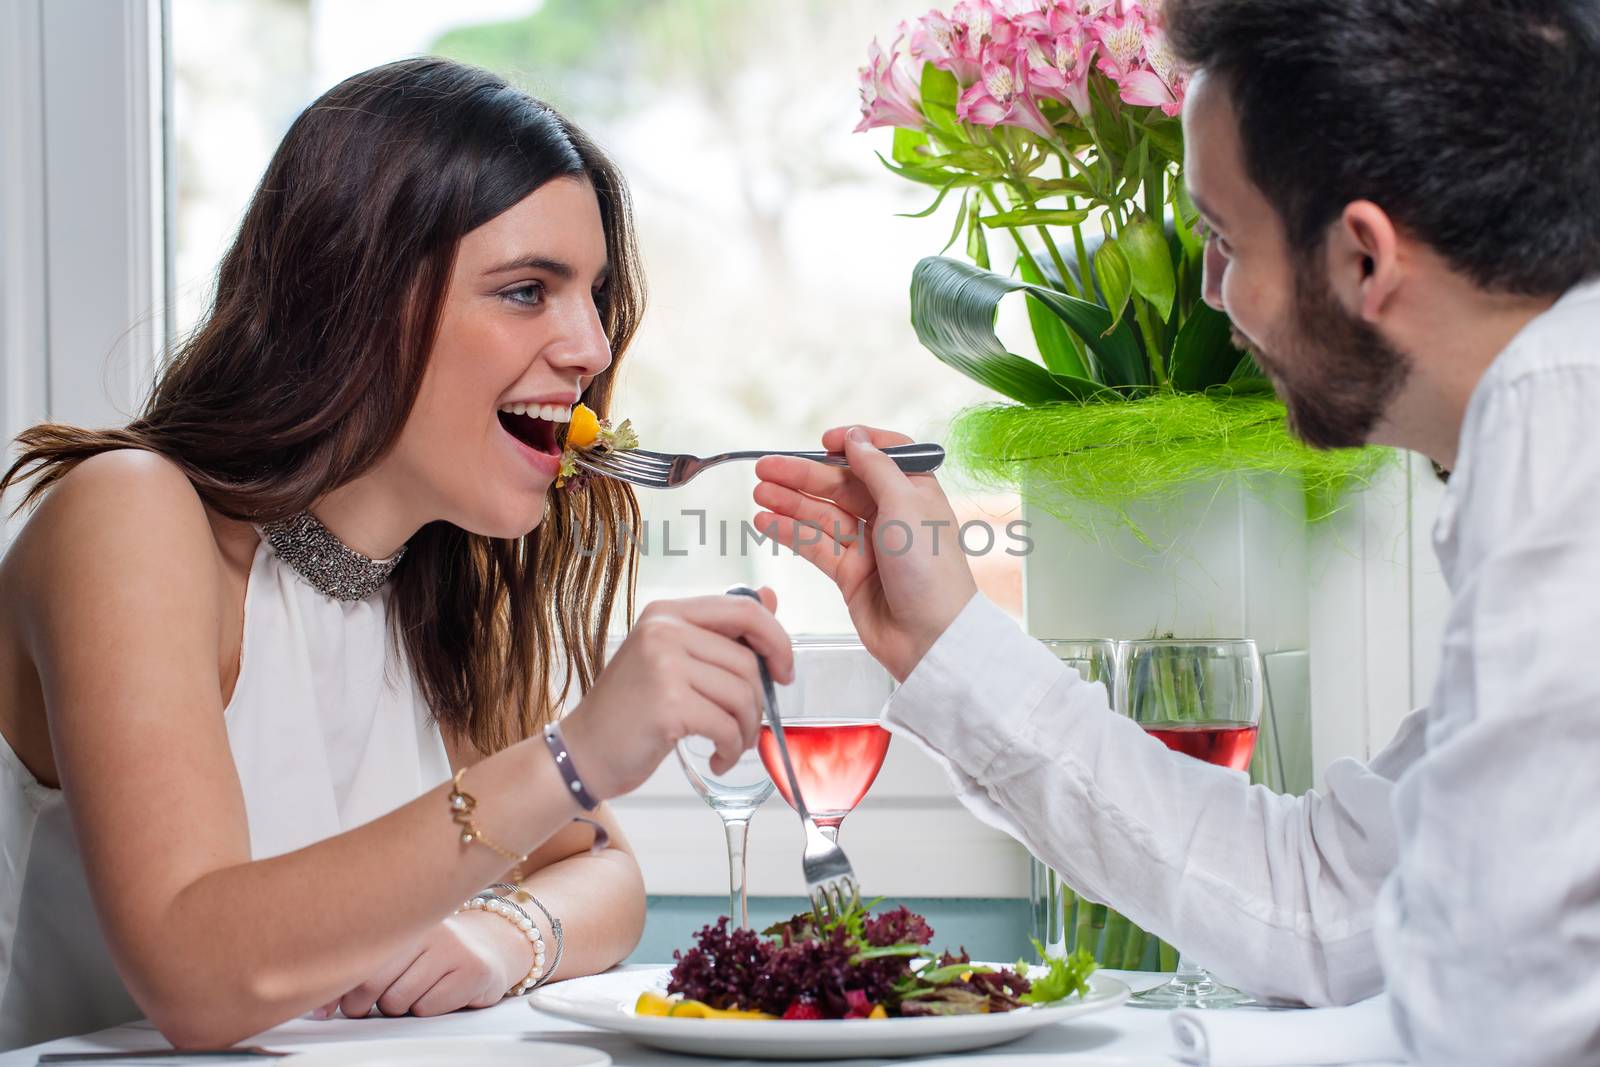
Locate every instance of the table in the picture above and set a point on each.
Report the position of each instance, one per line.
(1127, 1036)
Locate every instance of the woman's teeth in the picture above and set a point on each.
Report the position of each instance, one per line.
(548, 412)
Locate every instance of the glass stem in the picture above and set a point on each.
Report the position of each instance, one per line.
(830, 830)
(738, 831)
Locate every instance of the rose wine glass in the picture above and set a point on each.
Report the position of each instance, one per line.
(830, 721)
(1201, 698)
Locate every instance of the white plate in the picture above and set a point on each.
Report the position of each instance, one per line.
(606, 1001)
(446, 1052)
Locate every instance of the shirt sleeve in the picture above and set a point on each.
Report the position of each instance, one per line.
(1270, 892)
(1490, 929)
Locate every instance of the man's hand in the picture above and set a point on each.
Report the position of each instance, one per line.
(887, 539)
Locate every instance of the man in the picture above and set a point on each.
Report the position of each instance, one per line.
(1404, 205)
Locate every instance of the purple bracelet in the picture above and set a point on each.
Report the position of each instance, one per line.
(569, 773)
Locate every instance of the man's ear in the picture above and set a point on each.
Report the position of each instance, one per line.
(1364, 267)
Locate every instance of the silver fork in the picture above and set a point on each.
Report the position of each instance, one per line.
(668, 470)
(830, 880)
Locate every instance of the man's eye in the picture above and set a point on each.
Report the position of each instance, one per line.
(527, 295)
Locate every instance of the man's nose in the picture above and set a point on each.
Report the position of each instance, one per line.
(1211, 282)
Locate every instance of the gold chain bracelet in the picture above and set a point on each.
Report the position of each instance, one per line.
(462, 805)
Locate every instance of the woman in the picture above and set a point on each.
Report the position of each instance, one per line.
(247, 641)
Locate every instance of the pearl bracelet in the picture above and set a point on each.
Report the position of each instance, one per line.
(518, 918)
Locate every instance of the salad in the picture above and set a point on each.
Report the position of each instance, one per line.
(854, 966)
(588, 432)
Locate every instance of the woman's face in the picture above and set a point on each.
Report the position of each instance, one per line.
(519, 340)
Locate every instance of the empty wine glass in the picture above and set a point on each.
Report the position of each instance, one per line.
(734, 796)
(830, 718)
(1201, 698)
(1054, 903)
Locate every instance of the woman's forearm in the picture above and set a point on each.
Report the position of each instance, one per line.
(248, 946)
(600, 901)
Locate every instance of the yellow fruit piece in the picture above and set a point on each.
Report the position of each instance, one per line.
(878, 1013)
(652, 1004)
(694, 1009)
(584, 429)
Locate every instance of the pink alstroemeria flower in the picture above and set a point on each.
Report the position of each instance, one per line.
(1121, 41)
(1000, 97)
(1157, 82)
(889, 92)
(1059, 53)
(942, 42)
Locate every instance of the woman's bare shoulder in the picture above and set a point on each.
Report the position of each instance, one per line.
(121, 510)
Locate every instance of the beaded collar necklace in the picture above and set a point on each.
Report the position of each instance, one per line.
(331, 567)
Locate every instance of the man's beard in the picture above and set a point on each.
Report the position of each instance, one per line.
(1335, 374)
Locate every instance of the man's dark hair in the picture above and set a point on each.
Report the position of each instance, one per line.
(1474, 123)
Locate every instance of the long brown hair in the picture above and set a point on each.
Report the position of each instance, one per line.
(307, 365)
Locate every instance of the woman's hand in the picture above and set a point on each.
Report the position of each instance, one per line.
(680, 672)
(468, 961)
(907, 578)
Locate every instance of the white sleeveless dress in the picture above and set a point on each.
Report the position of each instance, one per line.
(328, 731)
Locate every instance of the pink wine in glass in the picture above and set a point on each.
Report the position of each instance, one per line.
(1227, 744)
(835, 760)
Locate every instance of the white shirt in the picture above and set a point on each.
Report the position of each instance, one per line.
(1460, 868)
(328, 731)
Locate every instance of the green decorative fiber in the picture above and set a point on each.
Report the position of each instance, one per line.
(1108, 455)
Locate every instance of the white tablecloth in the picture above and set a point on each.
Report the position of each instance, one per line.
(1127, 1037)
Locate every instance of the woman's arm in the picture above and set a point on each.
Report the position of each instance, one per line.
(121, 618)
(599, 897)
(473, 958)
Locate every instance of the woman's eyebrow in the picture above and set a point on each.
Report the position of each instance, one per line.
(559, 268)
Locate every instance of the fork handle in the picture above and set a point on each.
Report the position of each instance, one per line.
(913, 459)
(770, 700)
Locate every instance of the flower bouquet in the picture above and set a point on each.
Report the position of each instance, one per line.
(1054, 123)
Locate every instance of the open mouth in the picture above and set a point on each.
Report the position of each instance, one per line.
(540, 427)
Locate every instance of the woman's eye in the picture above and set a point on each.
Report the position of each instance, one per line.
(527, 295)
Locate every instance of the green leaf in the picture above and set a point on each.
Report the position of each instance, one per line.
(955, 231)
(1247, 378)
(1166, 137)
(1187, 220)
(1149, 262)
(939, 92)
(953, 310)
(1035, 217)
(1058, 346)
(1203, 354)
(1067, 975)
(1075, 186)
(878, 952)
(975, 160)
(952, 972)
(926, 175)
(977, 243)
(907, 144)
(931, 208)
(1114, 278)
(1247, 368)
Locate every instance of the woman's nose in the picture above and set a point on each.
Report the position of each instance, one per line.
(586, 348)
